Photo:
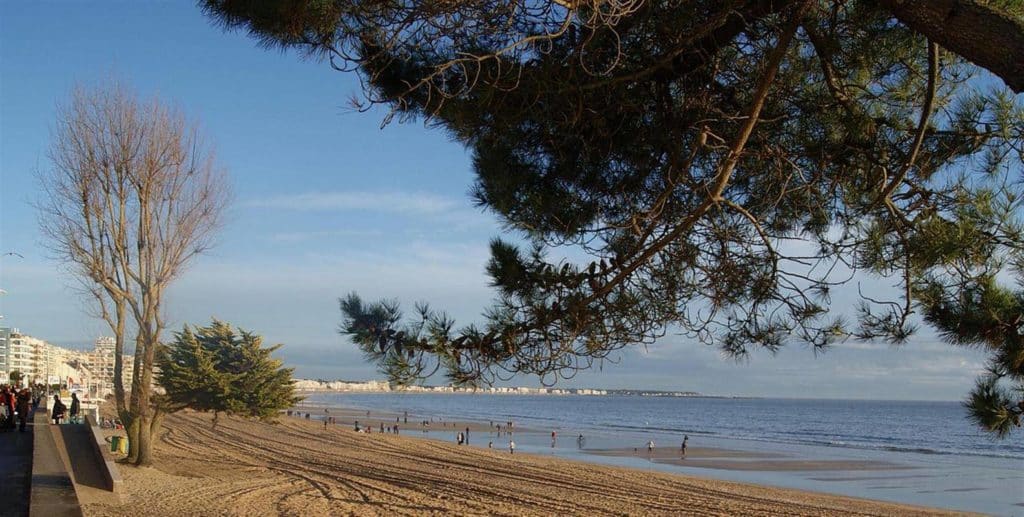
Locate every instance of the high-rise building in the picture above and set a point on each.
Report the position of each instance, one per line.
(100, 363)
(21, 356)
(5, 334)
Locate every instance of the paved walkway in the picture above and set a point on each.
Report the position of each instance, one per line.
(15, 471)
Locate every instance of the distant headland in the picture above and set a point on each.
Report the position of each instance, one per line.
(386, 387)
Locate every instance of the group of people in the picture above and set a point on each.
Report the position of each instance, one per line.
(15, 405)
(461, 438)
(650, 446)
(391, 429)
(59, 411)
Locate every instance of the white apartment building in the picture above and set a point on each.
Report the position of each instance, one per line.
(42, 362)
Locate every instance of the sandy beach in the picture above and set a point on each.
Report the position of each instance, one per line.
(297, 467)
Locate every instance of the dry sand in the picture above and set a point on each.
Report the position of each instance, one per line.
(296, 467)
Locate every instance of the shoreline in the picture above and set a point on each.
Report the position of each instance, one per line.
(297, 467)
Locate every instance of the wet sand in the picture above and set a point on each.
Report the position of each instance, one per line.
(296, 467)
(729, 459)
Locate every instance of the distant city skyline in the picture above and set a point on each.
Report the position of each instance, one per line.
(328, 203)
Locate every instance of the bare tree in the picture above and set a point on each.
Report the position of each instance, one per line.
(133, 194)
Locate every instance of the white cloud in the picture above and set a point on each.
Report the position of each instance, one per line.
(390, 202)
(326, 234)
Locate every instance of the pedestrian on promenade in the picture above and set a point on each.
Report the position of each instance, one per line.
(24, 400)
(10, 403)
(58, 411)
(4, 415)
(76, 407)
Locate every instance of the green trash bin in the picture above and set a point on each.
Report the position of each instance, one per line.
(115, 443)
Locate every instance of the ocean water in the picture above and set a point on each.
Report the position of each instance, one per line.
(944, 460)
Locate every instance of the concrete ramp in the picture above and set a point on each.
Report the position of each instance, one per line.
(93, 473)
(52, 492)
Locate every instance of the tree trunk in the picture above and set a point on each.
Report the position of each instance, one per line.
(135, 409)
(158, 420)
(132, 428)
(119, 395)
(145, 356)
(983, 35)
(145, 449)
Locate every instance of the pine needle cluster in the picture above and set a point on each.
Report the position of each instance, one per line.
(224, 370)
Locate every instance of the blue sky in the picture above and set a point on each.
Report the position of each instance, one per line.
(328, 202)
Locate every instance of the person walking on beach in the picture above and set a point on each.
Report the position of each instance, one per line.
(57, 413)
(682, 448)
(405, 418)
(511, 447)
(650, 447)
(76, 407)
(579, 441)
(382, 428)
(490, 444)
(459, 438)
(554, 436)
(467, 436)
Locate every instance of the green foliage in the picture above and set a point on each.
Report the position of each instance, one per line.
(987, 315)
(191, 372)
(16, 376)
(216, 369)
(620, 137)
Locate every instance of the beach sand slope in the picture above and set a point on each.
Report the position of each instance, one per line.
(296, 467)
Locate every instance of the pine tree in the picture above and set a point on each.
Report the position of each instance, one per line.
(989, 316)
(262, 387)
(723, 167)
(216, 369)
